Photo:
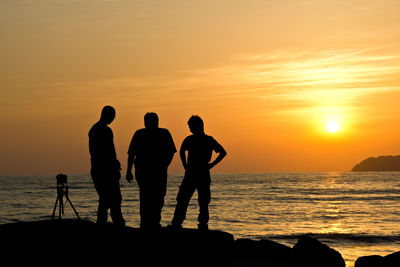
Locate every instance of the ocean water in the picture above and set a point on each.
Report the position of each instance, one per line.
(357, 214)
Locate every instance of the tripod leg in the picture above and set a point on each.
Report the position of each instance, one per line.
(54, 210)
(61, 210)
(70, 202)
(62, 204)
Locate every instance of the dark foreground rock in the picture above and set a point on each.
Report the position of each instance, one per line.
(87, 243)
(391, 260)
(249, 252)
(312, 251)
(83, 243)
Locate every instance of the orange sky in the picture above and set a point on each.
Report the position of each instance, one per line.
(266, 76)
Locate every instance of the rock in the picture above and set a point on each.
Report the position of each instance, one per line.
(78, 241)
(262, 249)
(311, 251)
(264, 253)
(391, 260)
(369, 261)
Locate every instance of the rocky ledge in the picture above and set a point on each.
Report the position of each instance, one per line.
(79, 242)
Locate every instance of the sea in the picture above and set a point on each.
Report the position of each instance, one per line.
(356, 213)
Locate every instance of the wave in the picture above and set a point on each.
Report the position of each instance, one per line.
(308, 198)
(339, 237)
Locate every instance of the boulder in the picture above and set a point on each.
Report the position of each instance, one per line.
(391, 260)
(262, 249)
(310, 251)
(369, 261)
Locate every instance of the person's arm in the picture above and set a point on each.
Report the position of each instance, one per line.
(131, 159)
(221, 154)
(169, 158)
(171, 150)
(182, 153)
(129, 175)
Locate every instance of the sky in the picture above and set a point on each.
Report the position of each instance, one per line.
(266, 76)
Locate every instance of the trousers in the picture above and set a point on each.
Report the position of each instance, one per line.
(110, 198)
(192, 181)
(153, 188)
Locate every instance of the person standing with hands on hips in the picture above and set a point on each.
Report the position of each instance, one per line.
(199, 148)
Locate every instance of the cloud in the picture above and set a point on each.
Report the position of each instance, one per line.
(324, 77)
(291, 82)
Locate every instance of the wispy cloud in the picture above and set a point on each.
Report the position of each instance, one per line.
(293, 82)
(325, 77)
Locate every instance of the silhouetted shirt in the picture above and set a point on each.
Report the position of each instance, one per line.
(101, 147)
(200, 148)
(152, 148)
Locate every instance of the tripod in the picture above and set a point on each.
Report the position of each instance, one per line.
(62, 190)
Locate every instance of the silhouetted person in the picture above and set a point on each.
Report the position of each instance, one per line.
(106, 168)
(197, 172)
(151, 151)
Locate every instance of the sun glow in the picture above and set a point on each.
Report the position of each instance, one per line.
(332, 126)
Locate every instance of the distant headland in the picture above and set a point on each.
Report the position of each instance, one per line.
(381, 163)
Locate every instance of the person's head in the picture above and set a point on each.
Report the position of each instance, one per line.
(196, 125)
(107, 114)
(151, 120)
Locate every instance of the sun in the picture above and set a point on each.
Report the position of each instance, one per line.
(332, 126)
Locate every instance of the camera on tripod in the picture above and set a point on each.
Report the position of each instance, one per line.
(62, 190)
(62, 185)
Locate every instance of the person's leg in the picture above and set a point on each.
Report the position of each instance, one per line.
(102, 206)
(153, 206)
(115, 207)
(102, 210)
(204, 198)
(185, 193)
(148, 204)
(143, 179)
(160, 192)
(145, 206)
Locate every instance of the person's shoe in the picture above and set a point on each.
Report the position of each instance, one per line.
(202, 227)
(175, 227)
